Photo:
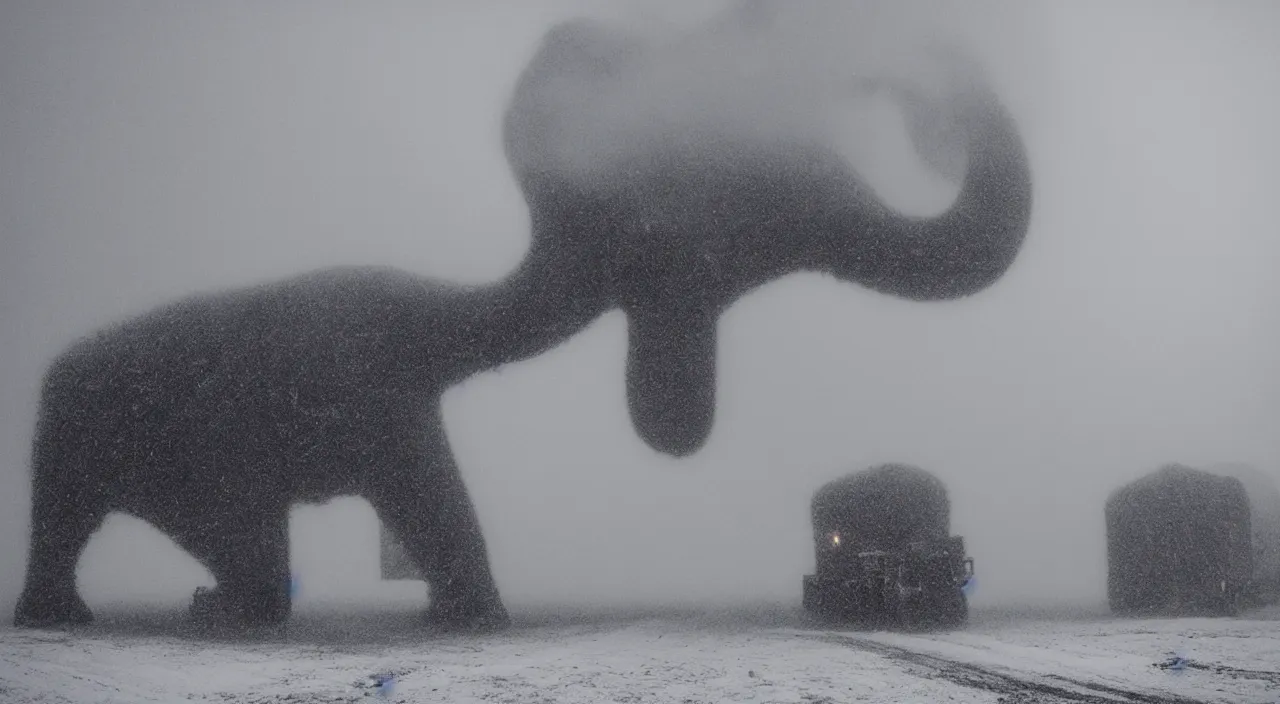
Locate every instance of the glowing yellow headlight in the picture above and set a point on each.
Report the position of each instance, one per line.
(835, 539)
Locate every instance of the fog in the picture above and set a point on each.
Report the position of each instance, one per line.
(154, 149)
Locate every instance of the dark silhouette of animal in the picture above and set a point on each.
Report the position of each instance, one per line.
(210, 416)
(700, 218)
(1178, 543)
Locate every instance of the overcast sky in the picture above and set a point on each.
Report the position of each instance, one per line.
(153, 149)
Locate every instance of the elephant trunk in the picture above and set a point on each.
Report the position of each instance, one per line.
(554, 293)
(956, 254)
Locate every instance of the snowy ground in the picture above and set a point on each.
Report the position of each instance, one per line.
(764, 654)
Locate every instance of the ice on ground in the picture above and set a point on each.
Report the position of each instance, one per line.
(766, 654)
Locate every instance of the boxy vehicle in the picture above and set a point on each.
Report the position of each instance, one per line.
(884, 555)
(1263, 490)
(1179, 544)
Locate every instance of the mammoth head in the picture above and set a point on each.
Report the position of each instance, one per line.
(680, 213)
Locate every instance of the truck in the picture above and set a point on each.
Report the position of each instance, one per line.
(884, 555)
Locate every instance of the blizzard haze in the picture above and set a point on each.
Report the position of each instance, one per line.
(154, 149)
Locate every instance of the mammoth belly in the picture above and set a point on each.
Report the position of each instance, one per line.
(329, 451)
(299, 459)
(222, 444)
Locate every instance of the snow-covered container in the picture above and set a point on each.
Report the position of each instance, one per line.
(1178, 543)
(1263, 489)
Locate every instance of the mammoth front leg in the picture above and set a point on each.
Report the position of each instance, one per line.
(421, 497)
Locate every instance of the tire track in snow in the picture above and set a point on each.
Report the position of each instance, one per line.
(1263, 675)
(982, 678)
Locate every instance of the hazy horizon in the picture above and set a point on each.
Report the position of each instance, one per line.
(156, 149)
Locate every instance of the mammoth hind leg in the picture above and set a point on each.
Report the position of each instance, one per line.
(245, 545)
(64, 515)
(421, 497)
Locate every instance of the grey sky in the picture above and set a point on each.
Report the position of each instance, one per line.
(153, 149)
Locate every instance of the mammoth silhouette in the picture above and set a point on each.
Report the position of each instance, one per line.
(210, 416)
